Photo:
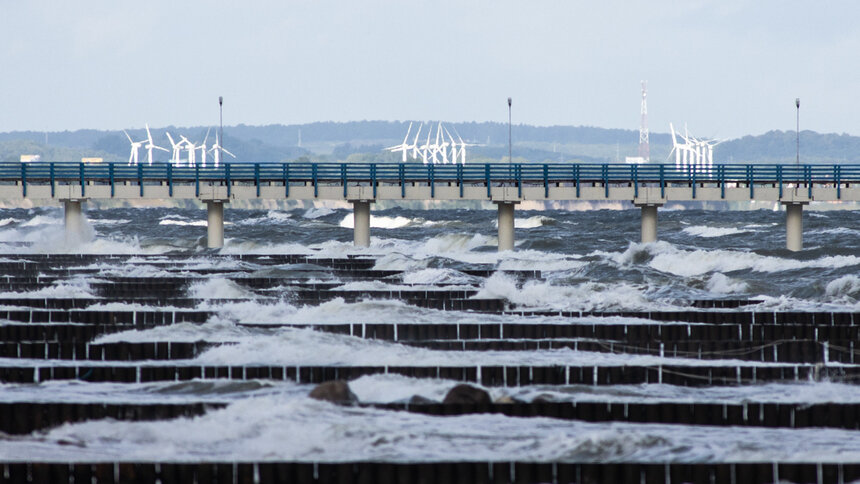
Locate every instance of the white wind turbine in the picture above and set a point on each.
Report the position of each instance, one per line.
(404, 146)
(217, 149)
(425, 148)
(150, 145)
(135, 148)
(443, 147)
(459, 152)
(202, 148)
(191, 148)
(177, 150)
(415, 142)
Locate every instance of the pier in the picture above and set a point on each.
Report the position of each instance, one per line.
(648, 186)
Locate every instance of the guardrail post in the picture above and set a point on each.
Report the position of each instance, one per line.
(432, 170)
(196, 180)
(400, 172)
(721, 172)
(662, 181)
(229, 182)
(286, 180)
(693, 179)
(751, 181)
(257, 178)
(460, 179)
(83, 182)
(518, 170)
(373, 178)
(808, 171)
(634, 169)
(779, 179)
(605, 170)
(576, 178)
(487, 176)
(53, 184)
(545, 180)
(343, 177)
(170, 180)
(314, 179)
(140, 178)
(110, 174)
(24, 179)
(837, 176)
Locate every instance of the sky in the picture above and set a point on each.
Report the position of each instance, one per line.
(724, 68)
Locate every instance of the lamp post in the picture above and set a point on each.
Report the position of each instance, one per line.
(797, 103)
(221, 128)
(510, 143)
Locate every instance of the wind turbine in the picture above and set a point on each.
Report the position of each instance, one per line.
(135, 148)
(192, 150)
(217, 149)
(150, 145)
(202, 148)
(425, 148)
(404, 146)
(443, 148)
(414, 145)
(177, 150)
(461, 153)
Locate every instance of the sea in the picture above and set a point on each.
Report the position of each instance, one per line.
(590, 260)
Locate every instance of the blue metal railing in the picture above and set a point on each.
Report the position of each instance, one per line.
(491, 174)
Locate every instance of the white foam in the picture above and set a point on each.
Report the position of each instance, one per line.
(194, 223)
(6, 221)
(705, 231)
(584, 296)
(665, 257)
(218, 288)
(721, 284)
(844, 286)
(317, 212)
(531, 222)
(378, 221)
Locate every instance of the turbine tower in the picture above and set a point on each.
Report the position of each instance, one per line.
(644, 145)
(135, 148)
(150, 145)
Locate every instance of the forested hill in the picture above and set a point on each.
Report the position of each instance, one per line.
(365, 140)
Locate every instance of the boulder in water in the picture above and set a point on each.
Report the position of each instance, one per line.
(467, 394)
(335, 391)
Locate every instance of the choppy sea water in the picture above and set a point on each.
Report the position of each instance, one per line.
(591, 261)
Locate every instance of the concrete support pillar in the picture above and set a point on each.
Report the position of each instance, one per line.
(649, 223)
(74, 219)
(361, 223)
(506, 226)
(794, 226)
(215, 224)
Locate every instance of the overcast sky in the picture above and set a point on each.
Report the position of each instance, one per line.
(725, 68)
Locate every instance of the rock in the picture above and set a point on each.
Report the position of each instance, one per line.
(336, 391)
(419, 400)
(467, 394)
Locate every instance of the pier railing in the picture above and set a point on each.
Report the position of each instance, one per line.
(490, 174)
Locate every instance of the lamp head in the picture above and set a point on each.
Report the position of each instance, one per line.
(797, 103)
(509, 102)
(220, 100)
